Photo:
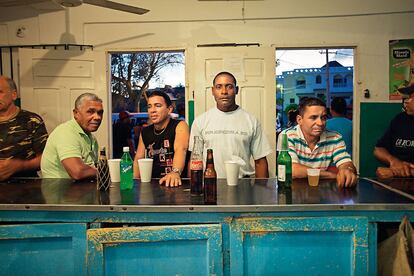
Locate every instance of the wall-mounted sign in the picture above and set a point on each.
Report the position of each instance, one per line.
(401, 68)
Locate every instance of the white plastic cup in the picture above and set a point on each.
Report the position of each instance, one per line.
(145, 169)
(313, 177)
(114, 169)
(232, 172)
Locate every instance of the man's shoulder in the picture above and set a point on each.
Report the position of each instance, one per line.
(331, 138)
(212, 110)
(65, 128)
(180, 124)
(241, 111)
(29, 116)
(402, 117)
(338, 121)
(291, 132)
(293, 136)
(206, 115)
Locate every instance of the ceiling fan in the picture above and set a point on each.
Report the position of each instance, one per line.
(75, 3)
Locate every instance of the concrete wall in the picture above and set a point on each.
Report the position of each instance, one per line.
(184, 24)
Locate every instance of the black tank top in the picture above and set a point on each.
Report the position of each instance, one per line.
(160, 147)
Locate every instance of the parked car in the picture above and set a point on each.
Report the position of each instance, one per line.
(138, 117)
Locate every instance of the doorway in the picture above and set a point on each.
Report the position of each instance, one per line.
(135, 75)
(325, 73)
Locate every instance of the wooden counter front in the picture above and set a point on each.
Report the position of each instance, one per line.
(52, 226)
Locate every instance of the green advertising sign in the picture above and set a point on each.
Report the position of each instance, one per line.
(401, 68)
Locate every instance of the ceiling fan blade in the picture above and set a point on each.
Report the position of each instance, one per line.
(12, 3)
(116, 6)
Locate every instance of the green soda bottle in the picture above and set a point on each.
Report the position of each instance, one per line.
(126, 170)
(284, 165)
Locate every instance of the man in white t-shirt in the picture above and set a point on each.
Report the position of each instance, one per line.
(229, 130)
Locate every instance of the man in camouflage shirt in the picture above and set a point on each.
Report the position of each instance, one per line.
(23, 135)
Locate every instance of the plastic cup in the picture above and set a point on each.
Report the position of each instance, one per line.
(145, 169)
(232, 172)
(114, 169)
(313, 177)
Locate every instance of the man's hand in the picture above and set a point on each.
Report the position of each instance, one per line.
(8, 167)
(172, 179)
(346, 178)
(401, 168)
(330, 173)
(384, 173)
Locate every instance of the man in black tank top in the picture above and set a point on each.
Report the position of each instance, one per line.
(165, 141)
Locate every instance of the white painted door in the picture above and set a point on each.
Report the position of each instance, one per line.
(254, 69)
(51, 80)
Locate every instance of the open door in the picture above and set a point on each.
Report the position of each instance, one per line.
(254, 69)
(51, 80)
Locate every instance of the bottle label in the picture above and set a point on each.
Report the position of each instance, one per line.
(196, 165)
(281, 172)
(126, 168)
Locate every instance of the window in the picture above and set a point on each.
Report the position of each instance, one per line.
(338, 81)
(301, 82)
(292, 100)
(318, 79)
(348, 80)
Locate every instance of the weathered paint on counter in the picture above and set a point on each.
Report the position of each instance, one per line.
(286, 246)
(174, 249)
(43, 249)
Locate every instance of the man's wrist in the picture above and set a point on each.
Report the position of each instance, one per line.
(176, 170)
(350, 168)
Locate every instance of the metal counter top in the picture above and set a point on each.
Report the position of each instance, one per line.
(251, 195)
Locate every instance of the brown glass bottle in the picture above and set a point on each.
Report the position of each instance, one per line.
(210, 180)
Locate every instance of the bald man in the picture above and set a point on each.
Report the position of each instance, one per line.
(23, 135)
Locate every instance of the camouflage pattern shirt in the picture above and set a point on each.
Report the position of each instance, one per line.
(22, 137)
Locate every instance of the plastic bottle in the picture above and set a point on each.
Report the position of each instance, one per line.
(284, 165)
(126, 170)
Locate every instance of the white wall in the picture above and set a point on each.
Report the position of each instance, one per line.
(187, 23)
(183, 24)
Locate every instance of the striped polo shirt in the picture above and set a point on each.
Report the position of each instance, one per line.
(330, 151)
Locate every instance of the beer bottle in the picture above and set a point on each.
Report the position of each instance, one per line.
(196, 167)
(102, 177)
(210, 180)
(126, 170)
(284, 165)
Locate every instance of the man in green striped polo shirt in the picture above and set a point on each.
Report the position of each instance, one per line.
(312, 146)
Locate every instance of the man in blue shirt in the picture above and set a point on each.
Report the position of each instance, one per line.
(340, 123)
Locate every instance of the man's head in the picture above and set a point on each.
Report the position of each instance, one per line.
(124, 116)
(159, 107)
(312, 117)
(8, 94)
(224, 91)
(409, 104)
(338, 107)
(88, 112)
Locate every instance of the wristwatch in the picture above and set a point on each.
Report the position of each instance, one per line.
(176, 170)
(351, 169)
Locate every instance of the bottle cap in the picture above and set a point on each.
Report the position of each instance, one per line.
(125, 149)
